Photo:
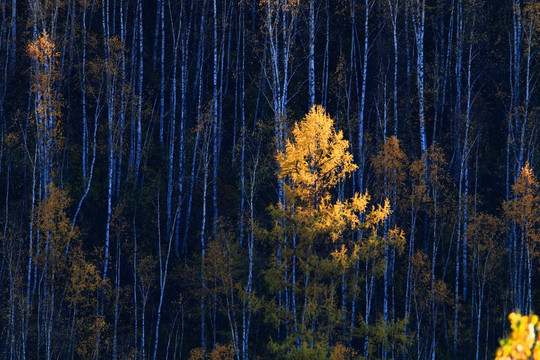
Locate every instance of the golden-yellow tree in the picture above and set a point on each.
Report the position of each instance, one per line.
(316, 232)
(315, 161)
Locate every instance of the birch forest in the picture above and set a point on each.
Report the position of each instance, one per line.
(269, 179)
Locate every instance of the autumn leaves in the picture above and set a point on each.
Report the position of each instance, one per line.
(321, 236)
(315, 161)
(523, 343)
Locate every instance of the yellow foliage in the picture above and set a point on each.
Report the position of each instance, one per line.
(396, 237)
(486, 233)
(43, 53)
(335, 217)
(524, 208)
(340, 255)
(85, 279)
(390, 164)
(426, 290)
(90, 332)
(523, 343)
(42, 50)
(47, 100)
(54, 224)
(196, 354)
(316, 159)
(419, 193)
(62, 254)
(221, 352)
(291, 6)
(340, 352)
(378, 214)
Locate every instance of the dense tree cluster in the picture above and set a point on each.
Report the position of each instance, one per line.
(256, 179)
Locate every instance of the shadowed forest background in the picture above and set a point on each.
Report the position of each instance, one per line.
(267, 179)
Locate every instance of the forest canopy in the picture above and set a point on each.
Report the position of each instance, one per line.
(269, 179)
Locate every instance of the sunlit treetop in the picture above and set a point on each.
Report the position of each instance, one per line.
(524, 209)
(316, 158)
(43, 53)
(527, 183)
(42, 49)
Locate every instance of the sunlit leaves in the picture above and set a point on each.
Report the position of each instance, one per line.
(331, 233)
(524, 208)
(43, 53)
(315, 159)
(425, 291)
(53, 221)
(221, 352)
(523, 343)
(390, 163)
(340, 352)
(486, 246)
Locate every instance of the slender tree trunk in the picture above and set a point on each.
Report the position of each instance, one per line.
(185, 37)
(83, 95)
(116, 299)
(162, 71)
(199, 84)
(394, 10)
(163, 270)
(135, 287)
(138, 143)
(311, 70)
(418, 17)
(216, 124)
(361, 105)
(203, 252)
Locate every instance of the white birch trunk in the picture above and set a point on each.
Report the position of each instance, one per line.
(311, 69)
